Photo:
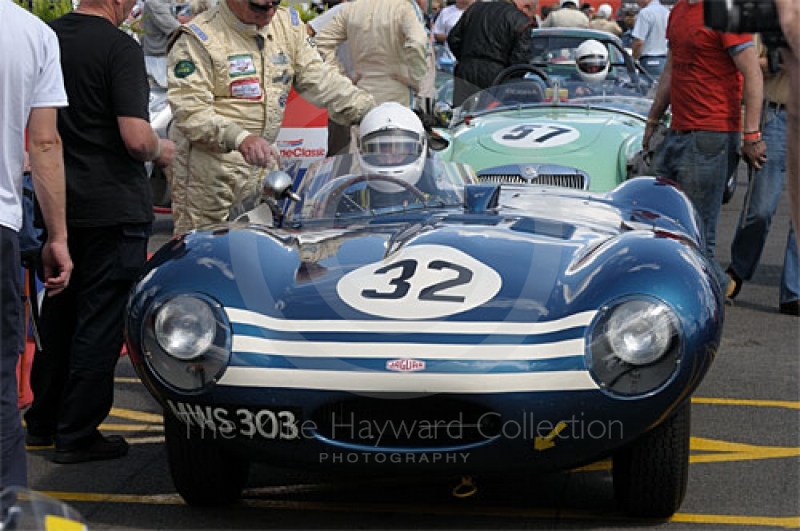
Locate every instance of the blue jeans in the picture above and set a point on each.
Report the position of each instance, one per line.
(700, 162)
(653, 64)
(754, 225)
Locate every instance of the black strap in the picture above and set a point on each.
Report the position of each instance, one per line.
(32, 299)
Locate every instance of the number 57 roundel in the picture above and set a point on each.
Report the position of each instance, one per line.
(420, 282)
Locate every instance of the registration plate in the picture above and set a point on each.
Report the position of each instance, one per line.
(278, 423)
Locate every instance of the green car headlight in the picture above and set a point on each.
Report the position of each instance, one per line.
(635, 346)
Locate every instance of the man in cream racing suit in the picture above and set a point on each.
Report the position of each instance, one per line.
(388, 45)
(229, 75)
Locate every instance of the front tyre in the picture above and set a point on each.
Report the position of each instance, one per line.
(650, 475)
(203, 473)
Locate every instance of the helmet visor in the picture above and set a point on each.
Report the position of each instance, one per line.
(592, 64)
(392, 147)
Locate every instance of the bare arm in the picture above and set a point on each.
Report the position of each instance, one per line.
(789, 16)
(747, 63)
(660, 102)
(47, 169)
(755, 153)
(143, 143)
(636, 48)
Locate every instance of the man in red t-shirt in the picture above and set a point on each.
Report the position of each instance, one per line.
(704, 78)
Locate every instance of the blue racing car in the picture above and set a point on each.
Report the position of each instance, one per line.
(356, 323)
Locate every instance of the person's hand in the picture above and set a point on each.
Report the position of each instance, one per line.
(259, 152)
(166, 153)
(755, 153)
(57, 266)
(648, 134)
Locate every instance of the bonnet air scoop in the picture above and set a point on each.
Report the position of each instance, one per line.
(480, 198)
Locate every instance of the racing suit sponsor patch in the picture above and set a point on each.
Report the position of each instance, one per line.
(283, 79)
(279, 59)
(246, 89)
(197, 31)
(241, 65)
(184, 69)
(282, 99)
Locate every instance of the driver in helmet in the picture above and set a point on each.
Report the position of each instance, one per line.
(392, 143)
(392, 157)
(592, 64)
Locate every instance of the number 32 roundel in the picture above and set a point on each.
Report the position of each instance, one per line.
(420, 282)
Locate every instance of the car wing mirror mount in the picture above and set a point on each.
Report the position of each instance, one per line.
(443, 113)
(277, 185)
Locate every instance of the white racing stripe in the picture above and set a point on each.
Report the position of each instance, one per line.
(345, 350)
(248, 317)
(407, 382)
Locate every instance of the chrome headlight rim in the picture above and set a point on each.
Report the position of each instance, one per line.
(194, 373)
(193, 316)
(618, 376)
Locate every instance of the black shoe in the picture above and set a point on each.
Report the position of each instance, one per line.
(110, 447)
(34, 440)
(790, 308)
(734, 283)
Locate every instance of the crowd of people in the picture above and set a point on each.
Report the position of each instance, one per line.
(79, 87)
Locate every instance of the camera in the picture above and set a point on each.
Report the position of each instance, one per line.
(745, 16)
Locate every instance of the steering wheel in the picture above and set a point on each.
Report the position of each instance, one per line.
(330, 205)
(517, 71)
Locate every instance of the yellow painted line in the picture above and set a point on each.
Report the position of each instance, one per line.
(139, 416)
(99, 497)
(787, 522)
(120, 379)
(786, 404)
(110, 426)
(732, 451)
(145, 440)
(717, 451)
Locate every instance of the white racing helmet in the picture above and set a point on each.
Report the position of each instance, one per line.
(392, 142)
(591, 60)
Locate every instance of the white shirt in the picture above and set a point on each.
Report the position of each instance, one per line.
(651, 29)
(30, 76)
(448, 17)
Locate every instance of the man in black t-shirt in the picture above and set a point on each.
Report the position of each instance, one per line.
(489, 37)
(106, 138)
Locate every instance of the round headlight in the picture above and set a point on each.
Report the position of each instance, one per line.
(185, 327)
(640, 332)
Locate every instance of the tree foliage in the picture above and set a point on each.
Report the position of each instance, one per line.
(47, 10)
(306, 10)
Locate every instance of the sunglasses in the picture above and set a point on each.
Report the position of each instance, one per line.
(265, 6)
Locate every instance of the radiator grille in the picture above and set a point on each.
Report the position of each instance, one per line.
(576, 181)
